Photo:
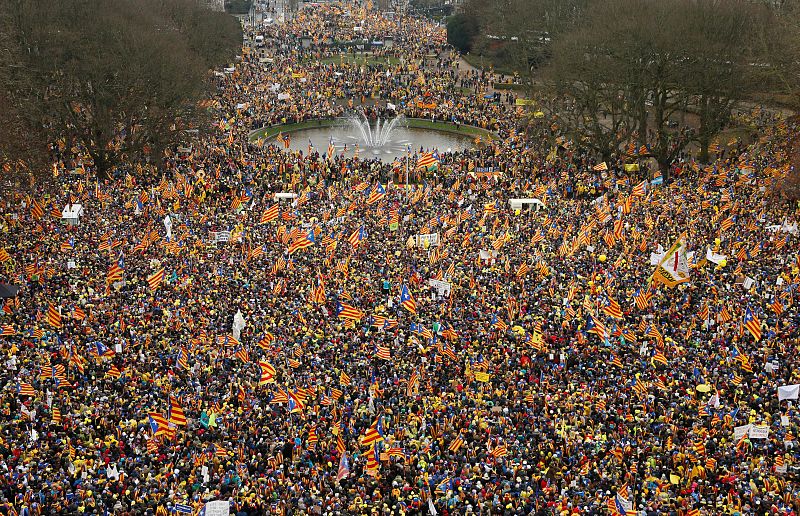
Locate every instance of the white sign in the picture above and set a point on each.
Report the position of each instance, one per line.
(748, 283)
(335, 221)
(626, 504)
(427, 239)
(72, 211)
(785, 228)
(71, 264)
(222, 236)
(781, 469)
(518, 204)
(168, 226)
(284, 195)
(218, 508)
(741, 431)
(72, 214)
(442, 287)
(788, 392)
(759, 432)
(487, 255)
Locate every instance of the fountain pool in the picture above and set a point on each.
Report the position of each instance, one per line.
(385, 140)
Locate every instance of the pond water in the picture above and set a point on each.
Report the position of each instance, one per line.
(347, 138)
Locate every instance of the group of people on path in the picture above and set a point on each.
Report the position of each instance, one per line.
(365, 347)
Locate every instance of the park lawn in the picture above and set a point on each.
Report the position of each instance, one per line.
(485, 62)
(417, 123)
(360, 59)
(269, 132)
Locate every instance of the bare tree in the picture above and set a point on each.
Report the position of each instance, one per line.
(120, 89)
(526, 27)
(592, 109)
(636, 65)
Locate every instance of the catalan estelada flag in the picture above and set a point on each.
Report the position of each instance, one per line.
(428, 160)
(302, 243)
(345, 311)
(407, 300)
(752, 324)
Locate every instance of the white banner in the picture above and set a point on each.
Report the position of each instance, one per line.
(335, 221)
(788, 392)
(442, 287)
(741, 431)
(488, 255)
(626, 504)
(427, 239)
(785, 228)
(218, 508)
(759, 432)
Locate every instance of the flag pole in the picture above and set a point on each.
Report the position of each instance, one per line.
(408, 156)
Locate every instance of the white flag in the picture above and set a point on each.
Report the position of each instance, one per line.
(788, 392)
(168, 226)
(238, 324)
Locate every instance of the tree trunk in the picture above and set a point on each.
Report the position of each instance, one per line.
(642, 124)
(101, 164)
(703, 140)
(664, 167)
(703, 137)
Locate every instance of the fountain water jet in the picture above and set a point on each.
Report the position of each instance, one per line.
(377, 136)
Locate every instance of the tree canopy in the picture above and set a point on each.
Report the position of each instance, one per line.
(461, 31)
(623, 71)
(118, 77)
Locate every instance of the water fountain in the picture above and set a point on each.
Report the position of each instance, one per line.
(371, 136)
(387, 140)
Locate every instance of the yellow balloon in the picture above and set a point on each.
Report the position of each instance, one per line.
(601, 258)
(723, 262)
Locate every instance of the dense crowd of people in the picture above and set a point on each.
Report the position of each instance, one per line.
(194, 337)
